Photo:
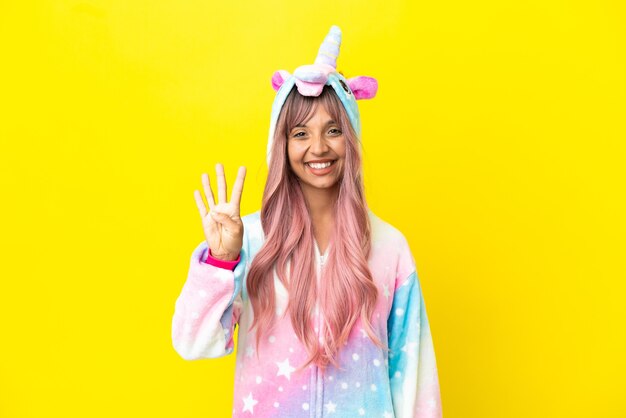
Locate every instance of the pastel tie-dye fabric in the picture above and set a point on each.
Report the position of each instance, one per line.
(370, 382)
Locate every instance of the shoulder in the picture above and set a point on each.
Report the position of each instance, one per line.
(391, 244)
(252, 219)
(253, 229)
(385, 233)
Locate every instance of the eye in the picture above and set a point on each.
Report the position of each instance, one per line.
(297, 134)
(338, 132)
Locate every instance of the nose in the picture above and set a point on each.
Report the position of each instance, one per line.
(319, 145)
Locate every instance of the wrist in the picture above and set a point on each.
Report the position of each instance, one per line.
(222, 263)
(223, 256)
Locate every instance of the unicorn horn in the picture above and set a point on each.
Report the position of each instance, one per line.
(329, 50)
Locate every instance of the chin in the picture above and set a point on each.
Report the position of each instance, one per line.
(323, 185)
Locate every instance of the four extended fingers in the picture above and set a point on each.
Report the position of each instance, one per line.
(221, 189)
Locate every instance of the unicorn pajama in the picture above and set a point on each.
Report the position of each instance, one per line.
(371, 381)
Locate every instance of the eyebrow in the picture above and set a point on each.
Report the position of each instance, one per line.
(330, 122)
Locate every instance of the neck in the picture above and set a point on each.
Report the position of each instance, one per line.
(320, 202)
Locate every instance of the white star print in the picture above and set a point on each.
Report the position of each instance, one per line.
(363, 332)
(330, 406)
(284, 369)
(248, 403)
(387, 415)
(386, 290)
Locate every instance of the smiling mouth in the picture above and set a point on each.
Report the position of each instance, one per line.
(321, 166)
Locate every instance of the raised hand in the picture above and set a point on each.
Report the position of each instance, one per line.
(223, 228)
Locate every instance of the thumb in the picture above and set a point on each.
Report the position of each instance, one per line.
(224, 219)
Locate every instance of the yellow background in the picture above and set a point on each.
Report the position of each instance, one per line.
(495, 144)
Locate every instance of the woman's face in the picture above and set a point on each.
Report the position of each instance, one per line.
(312, 146)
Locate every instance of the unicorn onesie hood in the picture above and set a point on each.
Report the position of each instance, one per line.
(401, 382)
(311, 79)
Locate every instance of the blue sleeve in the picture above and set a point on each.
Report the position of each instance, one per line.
(412, 365)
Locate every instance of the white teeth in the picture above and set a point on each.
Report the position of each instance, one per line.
(320, 165)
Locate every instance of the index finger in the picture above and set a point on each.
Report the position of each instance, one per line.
(235, 197)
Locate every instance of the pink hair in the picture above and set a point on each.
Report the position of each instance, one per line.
(347, 290)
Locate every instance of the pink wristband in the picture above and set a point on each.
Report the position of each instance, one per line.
(225, 264)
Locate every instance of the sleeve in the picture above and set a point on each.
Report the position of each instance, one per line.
(225, 264)
(413, 373)
(208, 308)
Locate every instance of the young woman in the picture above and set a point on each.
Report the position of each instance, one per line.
(331, 316)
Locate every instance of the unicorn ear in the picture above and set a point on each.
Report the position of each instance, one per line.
(279, 78)
(363, 87)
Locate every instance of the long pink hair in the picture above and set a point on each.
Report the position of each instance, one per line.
(347, 290)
